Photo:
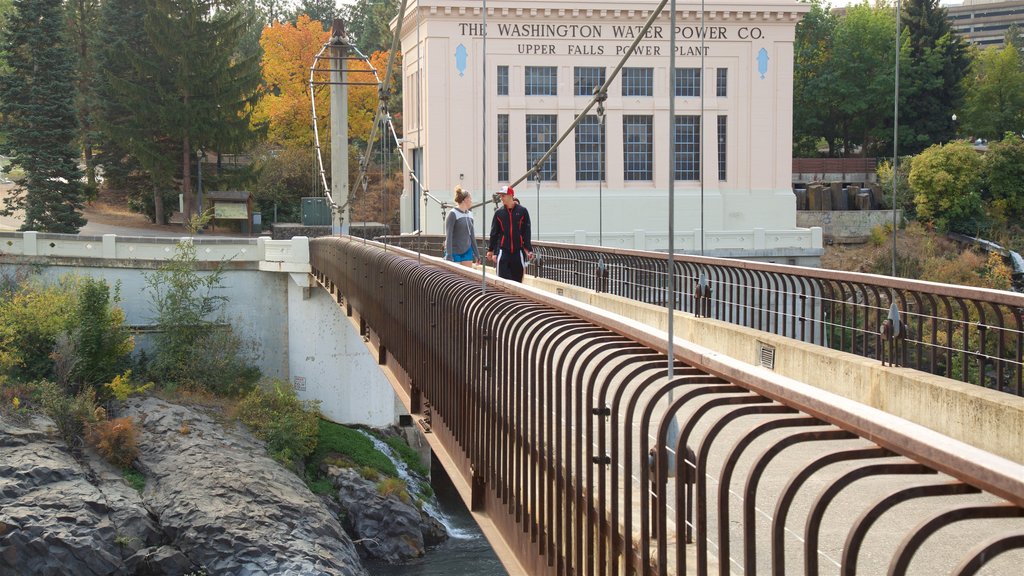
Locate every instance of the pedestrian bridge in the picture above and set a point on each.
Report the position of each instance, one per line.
(552, 406)
(561, 421)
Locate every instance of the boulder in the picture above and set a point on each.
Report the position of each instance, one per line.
(384, 527)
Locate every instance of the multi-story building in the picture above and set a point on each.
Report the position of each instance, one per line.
(985, 22)
(480, 110)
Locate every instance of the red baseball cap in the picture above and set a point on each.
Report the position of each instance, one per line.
(507, 190)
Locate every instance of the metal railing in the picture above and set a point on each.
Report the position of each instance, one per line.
(558, 419)
(970, 334)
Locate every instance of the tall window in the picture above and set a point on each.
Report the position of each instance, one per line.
(541, 81)
(590, 147)
(722, 82)
(585, 79)
(503, 175)
(722, 125)
(502, 80)
(541, 133)
(686, 139)
(638, 147)
(687, 82)
(638, 81)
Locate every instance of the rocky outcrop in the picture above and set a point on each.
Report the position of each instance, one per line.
(384, 527)
(228, 507)
(212, 501)
(60, 515)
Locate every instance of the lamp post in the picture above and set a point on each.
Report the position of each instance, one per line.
(199, 179)
(954, 126)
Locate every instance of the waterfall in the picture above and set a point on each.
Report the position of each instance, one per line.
(413, 481)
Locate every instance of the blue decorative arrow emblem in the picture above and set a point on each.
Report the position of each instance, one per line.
(461, 55)
(762, 62)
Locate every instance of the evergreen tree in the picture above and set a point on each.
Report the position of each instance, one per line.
(1014, 37)
(368, 24)
(83, 17)
(37, 102)
(933, 63)
(205, 88)
(135, 155)
(323, 11)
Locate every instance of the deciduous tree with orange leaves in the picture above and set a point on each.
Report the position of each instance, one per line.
(288, 51)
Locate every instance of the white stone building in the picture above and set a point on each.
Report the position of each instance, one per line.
(480, 112)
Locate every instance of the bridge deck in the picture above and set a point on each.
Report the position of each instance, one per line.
(550, 410)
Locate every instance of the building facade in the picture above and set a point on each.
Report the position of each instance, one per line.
(985, 22)
(480, 111)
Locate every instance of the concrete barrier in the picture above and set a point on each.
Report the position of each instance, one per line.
(987, 419)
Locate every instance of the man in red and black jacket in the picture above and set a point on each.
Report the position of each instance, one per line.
(510, 248)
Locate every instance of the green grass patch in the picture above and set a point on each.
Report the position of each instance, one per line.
(321, 486)
(134, 478)
(347, 446)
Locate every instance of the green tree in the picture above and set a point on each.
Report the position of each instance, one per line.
(368, 23)
(323, 11)
(83, 18)
(995, 94)
(37, 102)
(813, 50)
(191, 87)
(1004, 180)
(1014, 37)
(946, 182)
(859, 77)
(933, 64)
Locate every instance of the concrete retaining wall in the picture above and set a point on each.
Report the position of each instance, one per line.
(845, 226)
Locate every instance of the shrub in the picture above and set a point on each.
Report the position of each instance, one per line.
(394, 487)
(116, 440)
(70, 414)
(102, 341)
(122, 386)
(31, 318)
(192, 350)
(288, 425)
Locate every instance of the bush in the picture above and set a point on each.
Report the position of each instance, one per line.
(134, 478)
(122, 386)
(31, 318)
(288, 425)
(70, 414)
(103, 342)
(394, 487)
(192, 350)
(116, 440)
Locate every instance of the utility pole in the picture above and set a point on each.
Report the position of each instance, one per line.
(339, 129)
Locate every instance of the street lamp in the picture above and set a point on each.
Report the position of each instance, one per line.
(199, 179)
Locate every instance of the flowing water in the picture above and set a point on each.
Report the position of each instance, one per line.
(466, 552)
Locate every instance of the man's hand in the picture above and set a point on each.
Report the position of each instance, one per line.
(490, 256)
(529, 256)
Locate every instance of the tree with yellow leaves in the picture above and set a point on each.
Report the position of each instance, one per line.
(288, 51)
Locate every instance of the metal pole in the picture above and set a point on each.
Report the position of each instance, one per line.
(483, 133)
(672, 184)
(895, 138)
(600, 174)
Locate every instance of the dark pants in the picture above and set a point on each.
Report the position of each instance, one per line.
(511, 266)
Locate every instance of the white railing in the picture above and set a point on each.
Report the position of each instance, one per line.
(269, 255)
